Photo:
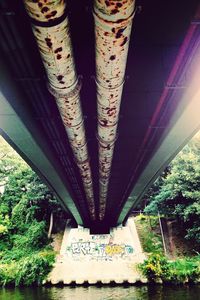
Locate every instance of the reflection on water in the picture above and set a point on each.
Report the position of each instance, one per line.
(103, 293)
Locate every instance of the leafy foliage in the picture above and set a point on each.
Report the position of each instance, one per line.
(157, 267)
(33, 269)
(177, 193)
(29, 270)
(25, 208)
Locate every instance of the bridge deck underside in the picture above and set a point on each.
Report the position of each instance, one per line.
(158, 32)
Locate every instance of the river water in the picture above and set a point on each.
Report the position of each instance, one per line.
(103, 293)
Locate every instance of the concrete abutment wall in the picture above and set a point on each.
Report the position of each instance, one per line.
(99, 258)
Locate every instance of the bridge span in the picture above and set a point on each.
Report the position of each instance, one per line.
(97, 125)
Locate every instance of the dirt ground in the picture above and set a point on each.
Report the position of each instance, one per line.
(57, 241)
(177, 245)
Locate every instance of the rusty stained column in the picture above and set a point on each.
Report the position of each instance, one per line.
(113, 22)
(51, 29)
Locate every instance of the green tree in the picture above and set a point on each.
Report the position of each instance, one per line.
(178, 192)
(25, 197)
(26, 204)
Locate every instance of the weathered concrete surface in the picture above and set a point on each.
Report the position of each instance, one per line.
(99, 258)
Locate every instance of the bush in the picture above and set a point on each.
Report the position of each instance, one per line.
(7, 274)
(155, 267)
(34, 237)
(184, 270)
(34, 269)
(37, 236)
(29, 270)
(3, 230)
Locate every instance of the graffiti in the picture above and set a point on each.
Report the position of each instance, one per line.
(81, 245)
(100, 237)
(96, 251)
(85, 248)
(113, 249)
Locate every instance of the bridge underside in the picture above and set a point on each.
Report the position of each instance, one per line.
(159, 108)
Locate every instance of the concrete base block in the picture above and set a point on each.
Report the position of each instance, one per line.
(67, 281)
(80, 281)
(105, 281)
(119, 281)
(131, 281)
(92, 281)
(54, 281)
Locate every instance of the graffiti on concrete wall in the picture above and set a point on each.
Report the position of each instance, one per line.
(99, 251)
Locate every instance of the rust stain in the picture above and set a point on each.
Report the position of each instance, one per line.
(58, 50)
(50, 15)
(38, 9)
(124, 41)
(114, 11)
(48, 42)
(112, 58)
(60, 77)
(44, 9)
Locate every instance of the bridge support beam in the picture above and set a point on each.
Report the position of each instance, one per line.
(51, 30)
(113, 23)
